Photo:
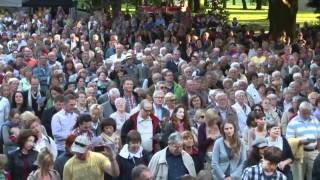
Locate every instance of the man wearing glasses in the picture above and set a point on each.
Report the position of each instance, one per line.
(146, 123)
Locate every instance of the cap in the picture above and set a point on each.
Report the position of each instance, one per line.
(81, 144)
(260, 143)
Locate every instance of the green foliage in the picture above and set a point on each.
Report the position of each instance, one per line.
(219, 12)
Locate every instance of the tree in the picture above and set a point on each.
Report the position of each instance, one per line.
(282, 17)
(116, 7)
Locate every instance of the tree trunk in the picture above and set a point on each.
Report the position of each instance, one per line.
(244, 4)
(224, 3)
(259, 4)
(282, 17)
(116, 8)
(196, 5)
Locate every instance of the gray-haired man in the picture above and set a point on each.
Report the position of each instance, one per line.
(172, 161)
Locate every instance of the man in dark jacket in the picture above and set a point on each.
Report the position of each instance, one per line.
(146, 123)
(316, 168)
(48, 114)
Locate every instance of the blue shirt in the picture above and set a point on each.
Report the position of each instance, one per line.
(299, 127)
(176, 168)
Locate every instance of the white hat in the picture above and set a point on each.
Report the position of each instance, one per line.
(81, 144)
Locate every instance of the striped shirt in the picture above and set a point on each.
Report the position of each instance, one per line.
(298, 127)
(256, 173)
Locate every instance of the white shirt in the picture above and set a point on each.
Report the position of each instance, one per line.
(242, 115)
(253, 94)
(119, 119)
(4, 109)
(145, 128)
(47, 142)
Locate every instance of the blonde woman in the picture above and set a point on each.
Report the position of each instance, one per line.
(96, 114)
(45, 169)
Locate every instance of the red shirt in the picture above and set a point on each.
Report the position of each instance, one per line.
(31, 62)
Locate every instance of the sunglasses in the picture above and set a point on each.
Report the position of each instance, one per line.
(202, 117)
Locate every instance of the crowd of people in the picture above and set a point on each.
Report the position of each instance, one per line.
(156, 96)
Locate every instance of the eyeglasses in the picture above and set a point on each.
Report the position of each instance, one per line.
(257, 110)
(201, 116)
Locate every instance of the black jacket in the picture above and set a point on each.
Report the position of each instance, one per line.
(46, 119)
(316, 168)
(126, 165)
(15, 163)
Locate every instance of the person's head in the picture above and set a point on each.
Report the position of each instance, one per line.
(55, 91)
(113, 94)
(95, 112)
(14, 116)
(18, 98)
(45, 161)
(133, 141)
(229, 132)
(170, 100)
(175, 143)
(5, 90)
(158, 96)
(80, 147)
(266, 104)
(168, 75)
(146, 108)
(26, 139)
(91, 101)
(196, 101)
(188, 140)
(69, 103)
(84, 122)
(58, 102)
(271, 157)
(108, 126)
(141, 172)
(312, 97)
(273, 130)
(180, 114)
(221, 99)
(240, 96)
(199, 116)
(305, 109)
(82, 98)
(128, 85)
(31, 121)
(211, 118)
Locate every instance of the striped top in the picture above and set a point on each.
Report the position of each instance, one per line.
(256, 173)
(299, 127)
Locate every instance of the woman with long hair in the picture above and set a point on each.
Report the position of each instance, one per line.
(179, 122)
(229, 153)
(69, 69)
(45, 169)
(258, 131)
(18, 101)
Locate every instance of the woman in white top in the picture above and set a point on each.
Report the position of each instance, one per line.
(120, 116)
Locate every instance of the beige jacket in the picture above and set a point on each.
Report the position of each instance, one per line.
(159, 167)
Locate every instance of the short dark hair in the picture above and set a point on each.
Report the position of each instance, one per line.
(272, 154)
(82, 118)
(59, 98)
(108, 122)
(133, 136)
(252, 75)
(138, 170)
(23, 137)
(56, 88)
(68, 97)
(271, 125)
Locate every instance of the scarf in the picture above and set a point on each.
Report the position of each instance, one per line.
(30, 98)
